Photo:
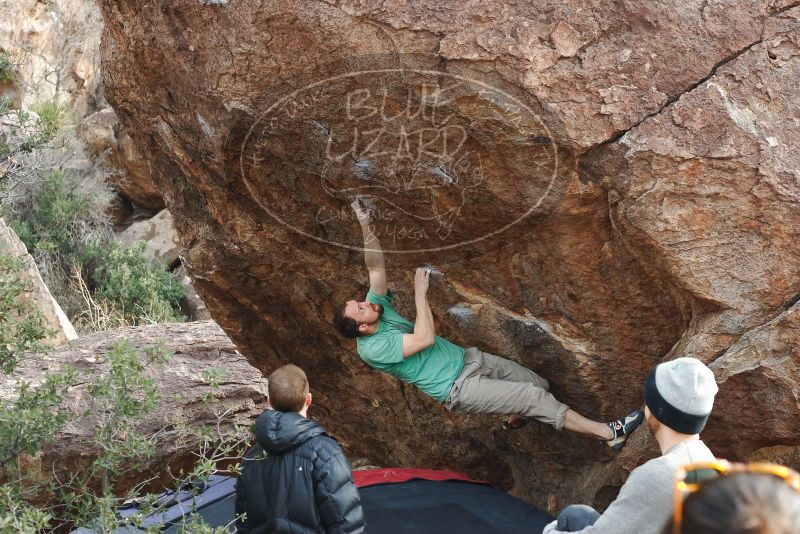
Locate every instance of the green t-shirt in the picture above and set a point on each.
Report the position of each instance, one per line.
(433, 370)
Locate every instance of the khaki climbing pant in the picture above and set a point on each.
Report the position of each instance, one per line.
(489, 384)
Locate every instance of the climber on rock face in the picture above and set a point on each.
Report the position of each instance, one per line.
(465, 381)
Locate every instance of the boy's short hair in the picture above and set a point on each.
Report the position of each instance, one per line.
(287, 389)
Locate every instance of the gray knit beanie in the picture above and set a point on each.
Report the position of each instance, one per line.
(680, 394)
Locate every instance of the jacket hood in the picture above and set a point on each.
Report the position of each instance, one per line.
(279, 432)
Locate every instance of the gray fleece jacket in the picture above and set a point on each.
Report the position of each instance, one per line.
(644, 504)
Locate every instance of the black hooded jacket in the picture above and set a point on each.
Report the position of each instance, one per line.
(296, 480)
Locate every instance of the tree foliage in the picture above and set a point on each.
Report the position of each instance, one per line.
(21, 328)
(119, 399)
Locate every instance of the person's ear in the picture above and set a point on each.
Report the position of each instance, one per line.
(308, 399)
(362, 327)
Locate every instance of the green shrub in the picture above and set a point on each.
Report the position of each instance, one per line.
(17, 516)
(34, 417)
(52, 118)
(51, 222)
(8, 69)
(5, 147)
(61, 232)
(109, 286)
(5, 151)
(22, 330)
(35, 414)
(22, 326)
(118, 400)
(25, 233)
(143, 291)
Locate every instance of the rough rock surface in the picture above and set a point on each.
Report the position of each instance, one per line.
(759, 375)
(15, 127)
(112, 145)
(135, 182)
(160, 238)
(197, 347)
(191, 303)
(625, 189)
(98, 131)
(709, 191)
(55, 318)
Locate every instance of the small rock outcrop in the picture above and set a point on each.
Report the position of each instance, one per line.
(759, 374)
(197, 347)
(159, 236)
(97, 130)
(136, 181)
(191, 303)
(55, 318)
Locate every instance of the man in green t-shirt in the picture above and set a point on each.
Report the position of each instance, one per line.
(465, 381)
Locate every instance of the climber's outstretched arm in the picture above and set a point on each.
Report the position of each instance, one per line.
(373, 253)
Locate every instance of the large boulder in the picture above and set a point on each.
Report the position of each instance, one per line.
(184, 396)
(39, 295)
(599, 182)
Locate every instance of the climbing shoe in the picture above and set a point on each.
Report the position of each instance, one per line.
(623, 427)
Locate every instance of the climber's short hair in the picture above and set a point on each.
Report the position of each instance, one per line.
(347, 326)
(287, 389)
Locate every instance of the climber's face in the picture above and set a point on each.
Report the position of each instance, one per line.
(364, 313)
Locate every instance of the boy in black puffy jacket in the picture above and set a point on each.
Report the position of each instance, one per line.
(296, 478)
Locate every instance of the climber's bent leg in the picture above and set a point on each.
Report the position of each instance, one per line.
(473, 392)
(499, 368)
(582, 425)
(477, 390)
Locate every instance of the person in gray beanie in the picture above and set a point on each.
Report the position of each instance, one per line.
(679, 395)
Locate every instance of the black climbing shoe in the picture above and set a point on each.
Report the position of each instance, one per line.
(623, 427)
